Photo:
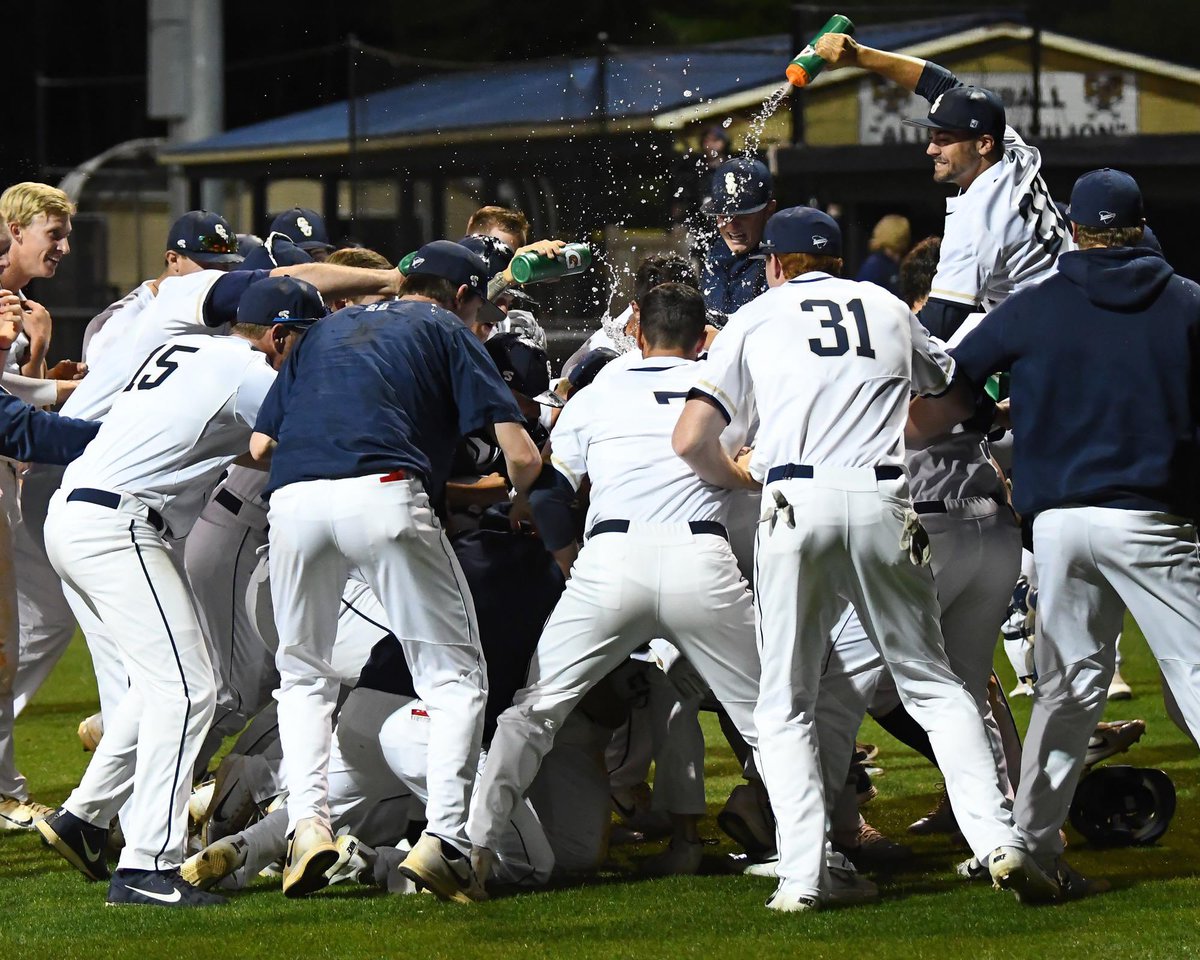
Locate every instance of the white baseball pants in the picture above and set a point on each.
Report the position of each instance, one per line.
(47, 620)
(837, 536)
(120, 565)
(1092, 563)
(655, 580)
(12, 784)
(320, 529)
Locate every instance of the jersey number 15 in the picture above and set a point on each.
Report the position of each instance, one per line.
(164, 367)
(834, 321)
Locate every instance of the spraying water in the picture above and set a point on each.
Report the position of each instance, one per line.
(759, 121)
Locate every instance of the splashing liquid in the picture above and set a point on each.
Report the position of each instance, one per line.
(758, 122)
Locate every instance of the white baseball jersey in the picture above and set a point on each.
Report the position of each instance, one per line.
(184, 416)
(177, 310)
(786, 354)
(1002, 233)
(618, 432)
(114, 321)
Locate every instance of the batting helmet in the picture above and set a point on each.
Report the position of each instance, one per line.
(1123, 806)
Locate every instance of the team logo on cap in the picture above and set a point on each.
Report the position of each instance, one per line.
(731, 183)
(181, 243)
(507, 375)
(819, 242)
(305, 226)
(1107, 216)
(221, 231)
(284, 315)
(417, 261)
(474, 280)
(936, 104)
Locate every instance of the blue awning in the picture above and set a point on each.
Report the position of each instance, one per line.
(637, 84)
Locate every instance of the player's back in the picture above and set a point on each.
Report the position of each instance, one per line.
(185, 413)
(831, 366)
(619, 430)
(177, 309)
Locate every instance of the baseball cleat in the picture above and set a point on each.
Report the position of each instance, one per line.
(157, 888)
(1024, 688)
(1074, 885)
(214, 863)
(199, 803)
(1109, 739)
(1014, 869)
(846, 885)
(938, 820)
(90, 730)
(762, 868)
(80, 843)
(681, 858)
(863, 787)
(355, 861)
(21, 814)
(747, 819)
(865, 752)
(1118, 689)
(870, 848)
(311, 853)
(784, 901)
(447, 877)
(972, 869)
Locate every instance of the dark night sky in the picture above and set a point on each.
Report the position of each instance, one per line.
(106, 46)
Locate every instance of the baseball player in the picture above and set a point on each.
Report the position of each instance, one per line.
(306, 229)
(656, 562)
(741, 200)
(410, 379)
(1109, 473)
(200, 297)
(828, 364)
(184, 416)
(31, 435)
(1003, 232)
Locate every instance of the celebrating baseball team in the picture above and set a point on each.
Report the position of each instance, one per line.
(449, 608)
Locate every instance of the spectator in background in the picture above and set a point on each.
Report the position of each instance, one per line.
(889, 244)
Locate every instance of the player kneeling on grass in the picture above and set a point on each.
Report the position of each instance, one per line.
(186, 414)
(360, 430)
(656, 563)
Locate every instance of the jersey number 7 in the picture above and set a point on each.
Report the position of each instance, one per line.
(163, 362)
(834, 321)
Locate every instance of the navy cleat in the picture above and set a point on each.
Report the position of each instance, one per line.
(157, 888)
(81, 844)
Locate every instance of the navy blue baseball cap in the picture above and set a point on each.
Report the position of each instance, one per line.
(495, 252)
(740, 185)
(521, 362)
(454, 262)
(281, 300)
(1107, 199)
(801, 230)
(304, 227)
(205, 237)
(975, 110)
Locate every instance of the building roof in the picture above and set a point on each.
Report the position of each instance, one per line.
(642, 89)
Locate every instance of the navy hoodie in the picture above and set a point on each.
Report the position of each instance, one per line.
(1105, 363)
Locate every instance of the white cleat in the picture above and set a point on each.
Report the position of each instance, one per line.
(1014, 869)
(1118, 689)
(214, 863)
(447, 877)
(90, 730)
(784, 901)
(21, 814)
(311, 853)
(356, 861)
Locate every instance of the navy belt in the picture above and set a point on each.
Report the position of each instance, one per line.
(696, 526)
(930, 506)
(229, 501)
(802, 471)
(106, 498)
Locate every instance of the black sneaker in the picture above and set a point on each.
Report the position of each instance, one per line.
(81, 844)
(157, 888)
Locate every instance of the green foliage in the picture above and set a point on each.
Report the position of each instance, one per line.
(48, 912)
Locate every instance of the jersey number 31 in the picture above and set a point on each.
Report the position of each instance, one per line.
(834, 321)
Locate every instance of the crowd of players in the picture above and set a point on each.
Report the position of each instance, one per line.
(453, 607)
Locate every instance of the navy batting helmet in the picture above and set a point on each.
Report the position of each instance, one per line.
(1123, 806)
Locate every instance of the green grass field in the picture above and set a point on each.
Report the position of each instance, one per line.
(48, 912)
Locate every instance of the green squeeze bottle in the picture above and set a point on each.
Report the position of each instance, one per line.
(532, 267)
(806, 64)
